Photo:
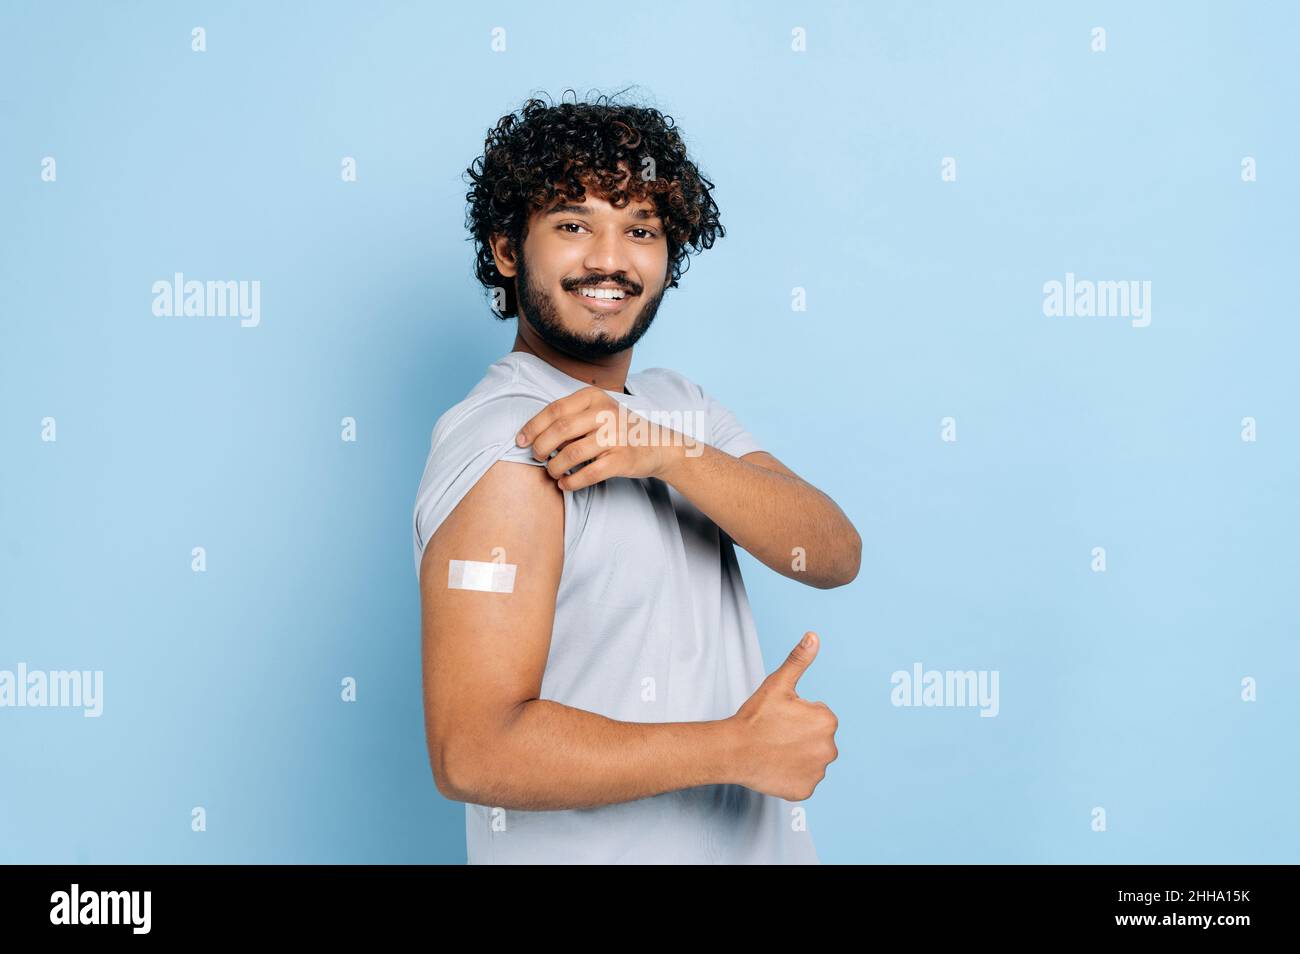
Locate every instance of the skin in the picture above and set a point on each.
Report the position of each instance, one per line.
(491, 739)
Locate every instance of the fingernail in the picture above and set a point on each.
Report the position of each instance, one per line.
(806, 641)
(519, 438)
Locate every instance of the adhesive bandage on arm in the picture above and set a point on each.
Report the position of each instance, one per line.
(487, 577)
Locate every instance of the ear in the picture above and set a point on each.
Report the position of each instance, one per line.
(503, 255)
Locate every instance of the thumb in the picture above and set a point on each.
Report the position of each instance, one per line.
(797, 662)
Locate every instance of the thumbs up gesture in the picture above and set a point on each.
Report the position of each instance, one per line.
(785, 743)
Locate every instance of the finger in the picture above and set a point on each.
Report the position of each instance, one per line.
(562, 430)
(602, 468)
(572, 454)
(557, 408)
(797, 663)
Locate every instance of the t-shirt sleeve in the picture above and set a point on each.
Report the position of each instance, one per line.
(463, 449)
(726, 433)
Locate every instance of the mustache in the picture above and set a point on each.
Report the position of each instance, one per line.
(625, 285)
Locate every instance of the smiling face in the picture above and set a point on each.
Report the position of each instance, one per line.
(590, 276)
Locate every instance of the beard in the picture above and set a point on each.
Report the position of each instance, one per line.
(539, 309)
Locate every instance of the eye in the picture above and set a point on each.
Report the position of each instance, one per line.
(648, 233)
(565, 225)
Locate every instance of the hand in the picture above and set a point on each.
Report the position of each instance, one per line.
(589, 426)
(786, 742)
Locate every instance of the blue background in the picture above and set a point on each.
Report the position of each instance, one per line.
(1118, 689)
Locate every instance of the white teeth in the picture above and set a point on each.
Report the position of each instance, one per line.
(611, 293)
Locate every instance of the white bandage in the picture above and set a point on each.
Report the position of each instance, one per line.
(488, 577)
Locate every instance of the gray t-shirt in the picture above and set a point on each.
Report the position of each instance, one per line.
(652, 624)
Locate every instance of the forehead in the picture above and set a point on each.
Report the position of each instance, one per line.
(596, 205)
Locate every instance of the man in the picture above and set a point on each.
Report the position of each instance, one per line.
(594, 689)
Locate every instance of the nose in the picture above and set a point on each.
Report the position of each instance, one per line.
(606, 253)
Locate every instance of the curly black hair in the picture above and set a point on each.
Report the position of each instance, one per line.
(548, 150)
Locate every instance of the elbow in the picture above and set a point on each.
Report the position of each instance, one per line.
(470, 757)
(849, 564)
(453, 769)
(855, 561)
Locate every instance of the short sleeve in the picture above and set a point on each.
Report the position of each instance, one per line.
(727, 434)
(464, 448)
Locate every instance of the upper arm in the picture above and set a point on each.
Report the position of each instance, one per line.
(484, 653)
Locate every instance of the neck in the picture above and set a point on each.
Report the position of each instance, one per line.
(610, 373)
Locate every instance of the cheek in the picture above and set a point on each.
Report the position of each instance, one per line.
(653, 267)
(550, 261)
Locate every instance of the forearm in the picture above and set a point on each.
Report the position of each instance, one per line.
(550, 756)
(785, 522)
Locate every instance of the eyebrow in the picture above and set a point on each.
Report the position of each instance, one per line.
(572, 208)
